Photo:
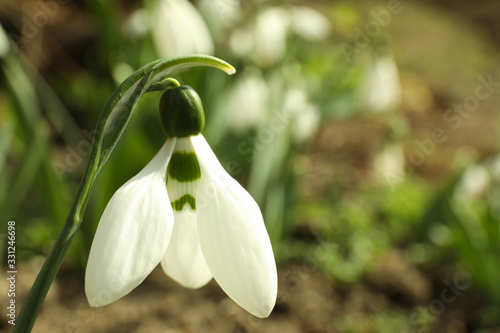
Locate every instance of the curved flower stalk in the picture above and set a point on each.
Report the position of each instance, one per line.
(111, 124)
(183, 210)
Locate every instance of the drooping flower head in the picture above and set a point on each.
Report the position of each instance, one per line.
(185, 211)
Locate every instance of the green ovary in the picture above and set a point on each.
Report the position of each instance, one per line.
(181, 112)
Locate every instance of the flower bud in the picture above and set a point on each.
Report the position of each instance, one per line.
(181, 112)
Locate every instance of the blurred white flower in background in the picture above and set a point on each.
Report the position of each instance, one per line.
(474, 182)
(278, 87)
(389, 163)
(4, 43)
(381, 90)
(242, 42)
(248, 101)
(304, 114)
(265, 40)
(494, 168)
(380, 93)
(309, 23)
(137, 24)
(270, 32)
(220, 14)
(179, 29)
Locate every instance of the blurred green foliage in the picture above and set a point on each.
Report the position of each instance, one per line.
(351, 231)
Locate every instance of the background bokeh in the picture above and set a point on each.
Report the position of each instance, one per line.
(367, 131)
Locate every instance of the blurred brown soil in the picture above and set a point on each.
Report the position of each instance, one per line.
(442, 52)
(307, 302)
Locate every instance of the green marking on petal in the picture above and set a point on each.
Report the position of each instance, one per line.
(178, 204)
(184, 167)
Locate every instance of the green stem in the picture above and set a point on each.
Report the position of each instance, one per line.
(40, 288)
(164, 85)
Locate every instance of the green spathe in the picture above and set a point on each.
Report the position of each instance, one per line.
(184, 167)
(181, 112)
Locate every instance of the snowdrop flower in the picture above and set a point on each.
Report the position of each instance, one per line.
(179, 29)
(309, 23)
(137, 24)
(250, 96)
(4, 43)
(474, 182)
(183, 210)
(265, 39)
(305, 115)
(220, 14)
(494, 168)
(389, 163)
(382, 89)
(270, 32)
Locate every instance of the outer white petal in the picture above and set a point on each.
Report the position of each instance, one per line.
(184, 261)
(233, 236)
(132, 235)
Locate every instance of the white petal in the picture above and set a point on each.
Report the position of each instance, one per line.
(133, 233)
(233, 236)
(184, 261)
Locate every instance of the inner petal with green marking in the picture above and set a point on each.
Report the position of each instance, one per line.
(183, 174)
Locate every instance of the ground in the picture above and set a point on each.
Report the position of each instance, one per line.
(308, 302)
